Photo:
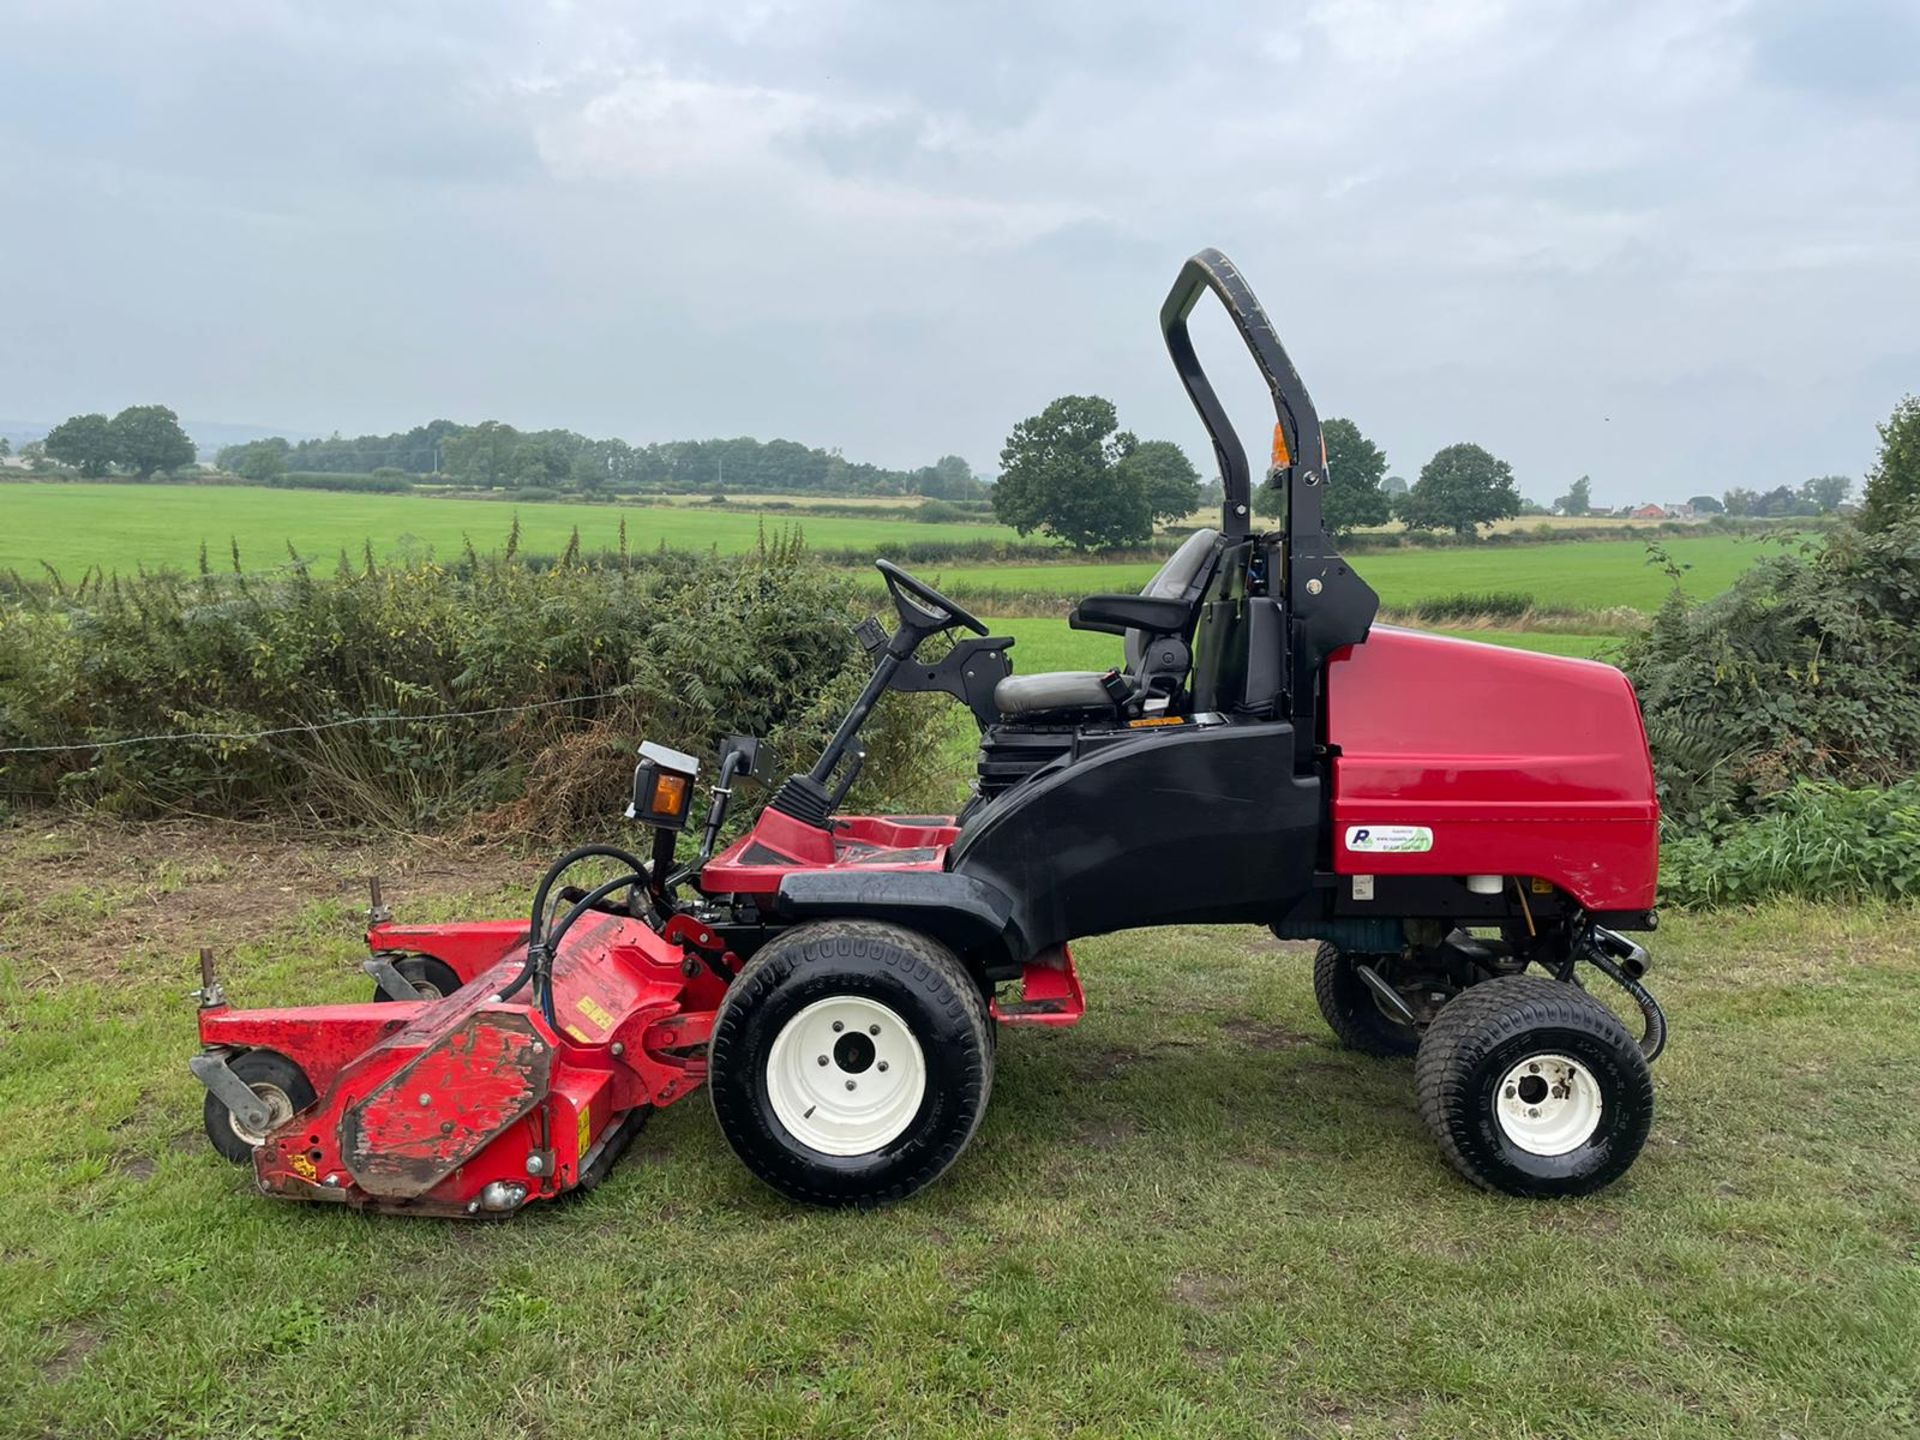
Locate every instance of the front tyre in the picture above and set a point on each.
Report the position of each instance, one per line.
(851, 1062)
(1534, 1088)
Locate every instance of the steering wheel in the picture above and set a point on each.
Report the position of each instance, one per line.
(933, 611)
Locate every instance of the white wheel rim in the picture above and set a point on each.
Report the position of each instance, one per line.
(846, 1076)
(1548, 1104)
(279, 1107)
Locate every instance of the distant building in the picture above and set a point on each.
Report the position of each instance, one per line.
(1683, 511)
(1651, 512)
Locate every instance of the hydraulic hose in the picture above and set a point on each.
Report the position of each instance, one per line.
(1654, 1039)
(536, 924)
(550, 947)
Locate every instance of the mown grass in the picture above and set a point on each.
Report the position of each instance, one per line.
(73, 526)
(1574, 575)
(1047, 644)
(1190, 1216)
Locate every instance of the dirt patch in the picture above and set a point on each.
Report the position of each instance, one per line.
(137, 1167)
(74, 1349)
(84, 900)
(1204, 1293)
(1108, 1133)
(1261, 1036)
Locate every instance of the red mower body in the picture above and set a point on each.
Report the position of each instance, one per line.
(1459, 758)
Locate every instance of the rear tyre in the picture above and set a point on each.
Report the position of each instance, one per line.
(1534, 1088)
(276, 1080)
(434, 979)
(1352, 1011)
(851, 1062)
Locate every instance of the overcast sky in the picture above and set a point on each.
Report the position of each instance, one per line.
(1675, 245)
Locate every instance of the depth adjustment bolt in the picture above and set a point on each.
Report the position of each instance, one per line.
(536, 1164)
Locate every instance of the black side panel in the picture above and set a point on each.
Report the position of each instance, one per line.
(1186, 826)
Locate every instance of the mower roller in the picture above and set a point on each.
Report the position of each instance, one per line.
(1467, 831)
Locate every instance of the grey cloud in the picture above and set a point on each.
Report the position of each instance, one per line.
(898, 227)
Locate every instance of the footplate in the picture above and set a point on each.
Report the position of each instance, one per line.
(1050, 992)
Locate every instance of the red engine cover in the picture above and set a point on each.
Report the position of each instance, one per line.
(1458, 758)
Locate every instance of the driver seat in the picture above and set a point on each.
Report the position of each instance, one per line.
(1183, 577)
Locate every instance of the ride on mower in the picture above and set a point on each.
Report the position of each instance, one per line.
(1465, 829)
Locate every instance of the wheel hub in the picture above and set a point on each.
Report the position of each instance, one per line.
(845, 1076)
(1548, 1104)
(279, 1106)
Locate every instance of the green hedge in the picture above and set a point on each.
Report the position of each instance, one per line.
(685, 648)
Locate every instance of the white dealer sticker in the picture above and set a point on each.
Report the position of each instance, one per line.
(1397, 839)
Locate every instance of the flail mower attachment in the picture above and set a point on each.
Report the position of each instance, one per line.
(525, 1079)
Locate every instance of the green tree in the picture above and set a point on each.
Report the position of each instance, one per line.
(34, 452)
(1394, 487)
(1165, 477)
(257, 460)
(84, 442)
(1356, 468)
(1579, 498)
(948, 478)
(1826, 493)
(1706, 505)
(1740, 501)
(148, 438)
(1060, 473)
(1356, 494)
(1893, 484)
(1460, 489)
(6, 447)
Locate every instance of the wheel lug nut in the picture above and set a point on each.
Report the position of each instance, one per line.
(1533, 1069)
(1511, 1092)
(881, 1066)
(838, 1027)
(823, 1059)
(873, 1029)
(849, 1084)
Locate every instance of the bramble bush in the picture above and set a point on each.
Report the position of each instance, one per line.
(1808, 668)
(683, 649)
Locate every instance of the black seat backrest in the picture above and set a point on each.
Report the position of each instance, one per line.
(1180, 578)
(1239, 643)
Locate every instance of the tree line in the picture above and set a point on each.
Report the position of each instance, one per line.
(493, 455)
(1072, 472)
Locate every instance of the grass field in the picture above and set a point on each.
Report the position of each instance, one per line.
(1047, 644)
(72, 526)
(1192, 1215)
(1572, 575)
(122, 526)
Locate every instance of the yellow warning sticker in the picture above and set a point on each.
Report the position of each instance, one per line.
(594, 1011)
(579, 1034)
(1542, 887)
(305, 1166)
(1150, 722)
(586, 1130)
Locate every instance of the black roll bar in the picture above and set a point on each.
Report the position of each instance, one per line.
(1327, 605)
(1304, 470)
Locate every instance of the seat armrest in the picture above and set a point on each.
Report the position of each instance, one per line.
(1116, 614)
